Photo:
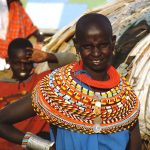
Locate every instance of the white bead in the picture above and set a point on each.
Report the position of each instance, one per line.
(96, 128)
(98, 104)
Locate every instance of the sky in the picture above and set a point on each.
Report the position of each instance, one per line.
(49, 15)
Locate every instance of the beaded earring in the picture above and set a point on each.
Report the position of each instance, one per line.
(78, 57)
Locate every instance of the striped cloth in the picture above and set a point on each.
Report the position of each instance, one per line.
(20, 25)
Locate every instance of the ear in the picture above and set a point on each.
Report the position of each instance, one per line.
(76, 45)
(113, 42)
(8, 61)
(114, 39)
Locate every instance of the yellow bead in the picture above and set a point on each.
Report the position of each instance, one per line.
(24, 92)
(1, 98)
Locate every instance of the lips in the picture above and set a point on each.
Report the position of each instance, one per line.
(97, 61)
(22, 74)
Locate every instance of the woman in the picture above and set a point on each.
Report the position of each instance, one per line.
(91, 105)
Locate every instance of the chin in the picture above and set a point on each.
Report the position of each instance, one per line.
(99, 68)
(20, 78)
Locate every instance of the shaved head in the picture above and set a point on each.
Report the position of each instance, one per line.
(17, 45)
(91, 22)
(94, 42)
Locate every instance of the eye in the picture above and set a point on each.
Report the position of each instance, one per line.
(16, 63)
(87, 46)
(28, 63)
(103, 45)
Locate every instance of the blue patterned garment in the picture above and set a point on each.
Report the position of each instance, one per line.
(67, 140)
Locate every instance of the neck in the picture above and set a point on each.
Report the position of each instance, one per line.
(21, 80)
(18, 80)
(104, 79)
(97, 75)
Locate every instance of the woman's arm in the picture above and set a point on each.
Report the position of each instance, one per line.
(14, 113)
(135, 138)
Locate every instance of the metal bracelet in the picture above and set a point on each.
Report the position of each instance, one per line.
(37, 143)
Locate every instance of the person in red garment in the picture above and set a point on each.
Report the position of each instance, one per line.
(18, 25)
(15, 23)
(20, 84)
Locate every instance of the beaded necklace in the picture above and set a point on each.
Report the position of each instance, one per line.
(97, 107)
(83, 77)
(65, 102)
(113, 80)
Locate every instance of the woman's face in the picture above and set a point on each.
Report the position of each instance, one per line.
(95, 46)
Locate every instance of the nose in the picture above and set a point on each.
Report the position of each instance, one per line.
(22, 66)
(96, 51)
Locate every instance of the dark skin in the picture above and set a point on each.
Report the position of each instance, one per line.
(38, 56)
(96, 51)
(23, 60)
(23, 110)
(21, 69)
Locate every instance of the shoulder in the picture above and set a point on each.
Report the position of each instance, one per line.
(43, 74)
(6, 76)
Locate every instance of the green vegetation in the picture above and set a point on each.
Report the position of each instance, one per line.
(24, 2)
(91, 3)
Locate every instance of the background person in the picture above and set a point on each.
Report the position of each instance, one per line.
(21, 82)
(14, 23)
(19, 26)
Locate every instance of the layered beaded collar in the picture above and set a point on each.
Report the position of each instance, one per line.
(113, 80)
(62, 101)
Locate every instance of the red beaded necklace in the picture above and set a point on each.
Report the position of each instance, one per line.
(113, 80)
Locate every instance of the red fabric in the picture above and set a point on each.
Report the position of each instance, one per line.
(20, 25)
(114, 77)
(9, 93)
